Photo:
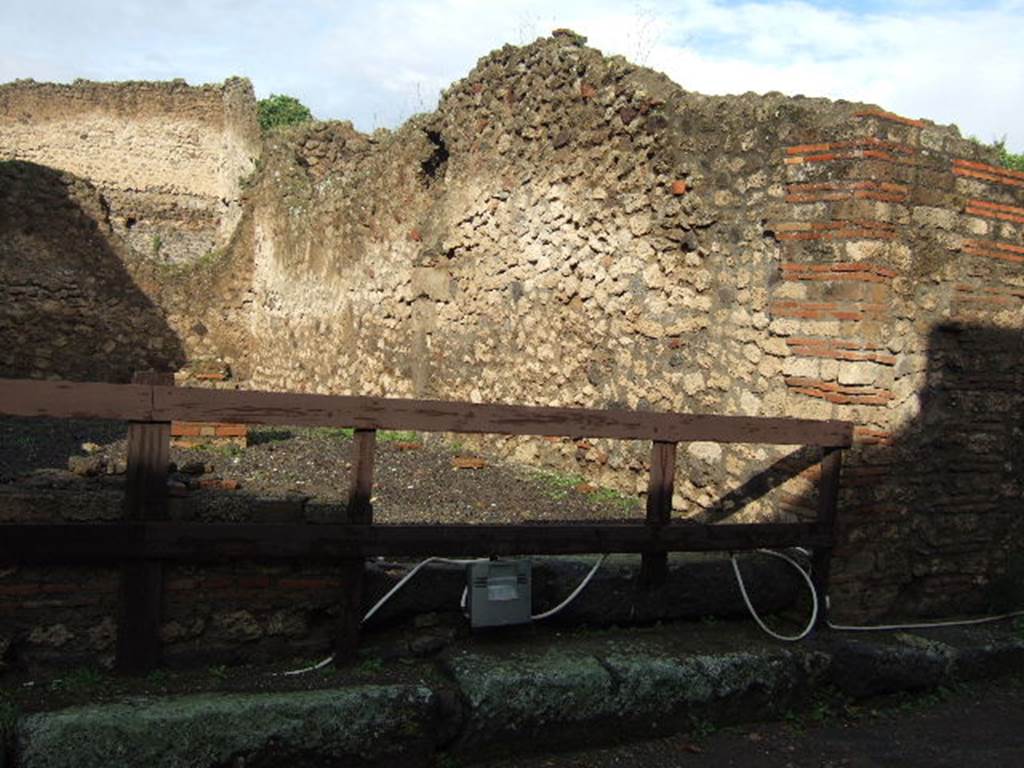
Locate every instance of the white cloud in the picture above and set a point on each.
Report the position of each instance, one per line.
(948, 64)
(377, 62)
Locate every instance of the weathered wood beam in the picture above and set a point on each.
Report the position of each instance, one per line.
(163, 403)
(211, 542)
(660, 487)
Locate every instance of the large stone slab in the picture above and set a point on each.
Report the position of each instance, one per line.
(361, 726)
(565, 698)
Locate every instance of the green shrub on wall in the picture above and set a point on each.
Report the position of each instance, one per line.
(278, 109)
(1009, 159)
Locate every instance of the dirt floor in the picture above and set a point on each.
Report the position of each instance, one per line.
(413, 481)
(981, 724)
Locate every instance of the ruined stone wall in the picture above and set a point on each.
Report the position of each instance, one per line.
(166, 157)
(76, 302)
(569, 229)
(69, 306)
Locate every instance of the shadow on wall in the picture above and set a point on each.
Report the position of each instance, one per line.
(69, 307)
(947, 517)
(931, 520)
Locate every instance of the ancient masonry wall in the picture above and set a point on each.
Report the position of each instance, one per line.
(166, 157)
(569, 229)
(901, 302)
(76, 302)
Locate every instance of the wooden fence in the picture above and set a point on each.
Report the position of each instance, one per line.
(145, 539)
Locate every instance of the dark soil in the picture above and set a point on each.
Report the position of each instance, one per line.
(981, 724)
(413, 481)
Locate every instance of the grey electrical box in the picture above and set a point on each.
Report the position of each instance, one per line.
(498, 593)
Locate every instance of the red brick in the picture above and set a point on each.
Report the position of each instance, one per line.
(962, 167)
(995, 249)
(803, 149)
(678, 187)
(995, 211)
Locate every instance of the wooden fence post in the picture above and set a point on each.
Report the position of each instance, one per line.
(660, 486)
(828, 495)
(360, 512)
(140, 608)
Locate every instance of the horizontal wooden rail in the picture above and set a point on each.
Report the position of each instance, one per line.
(144, 540)
(206, 542)
(135, 402)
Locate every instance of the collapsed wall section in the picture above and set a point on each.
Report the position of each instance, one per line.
(166, 157)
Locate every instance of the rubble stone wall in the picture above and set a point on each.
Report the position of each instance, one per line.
(569, 229)
(166, 157)
(77, 302)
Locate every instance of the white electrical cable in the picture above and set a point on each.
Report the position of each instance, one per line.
(380, 603)
(805, 574)
(853, 627)
(377, 606)
(753, 612)
(923, 625)
(462, 602)
(574, 594)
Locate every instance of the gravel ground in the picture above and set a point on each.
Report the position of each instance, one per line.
(413, 481)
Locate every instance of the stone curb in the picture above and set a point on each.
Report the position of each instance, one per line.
(588, 691)
(565, 700)
(365, 725)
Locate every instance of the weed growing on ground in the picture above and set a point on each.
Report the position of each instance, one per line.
(159, 678)
(371, 666)
(560, 485)
(346, 433)
(218, 672)
(79, 679)
(701, 728)
(227, 451)
(557, 485)
(398, 436)
(613, 499)
(913, 702)
(794, 720)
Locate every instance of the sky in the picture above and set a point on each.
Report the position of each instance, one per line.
(376, 62)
